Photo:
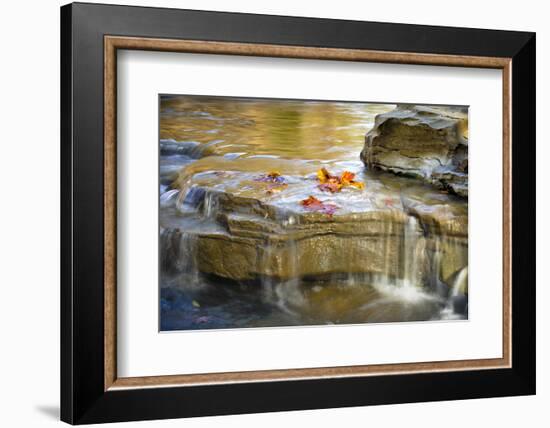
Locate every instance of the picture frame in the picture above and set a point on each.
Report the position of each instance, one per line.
(91, 35)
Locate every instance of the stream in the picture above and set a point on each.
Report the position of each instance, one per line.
(239, 249)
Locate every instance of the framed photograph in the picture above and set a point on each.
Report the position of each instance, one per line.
(266, 213)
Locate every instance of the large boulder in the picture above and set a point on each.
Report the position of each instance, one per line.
(429, 143)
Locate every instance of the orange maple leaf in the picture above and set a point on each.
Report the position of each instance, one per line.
(347, 178)
(311, 200)
(332, 183)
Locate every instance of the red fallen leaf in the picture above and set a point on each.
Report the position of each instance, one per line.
(314, 204)
(311, 200)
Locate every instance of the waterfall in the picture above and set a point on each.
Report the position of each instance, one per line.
(455, 298)
(267, 282)
(460, 278)
(388, 235)
(408, 285)
(168, 198)
(179, 256)
(434, 282)
(410, 253)
(285, 293)
(210, 206)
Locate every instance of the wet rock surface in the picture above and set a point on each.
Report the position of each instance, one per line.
(390, 228)
(428, 143)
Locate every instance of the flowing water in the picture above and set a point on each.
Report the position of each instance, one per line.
(212, 147)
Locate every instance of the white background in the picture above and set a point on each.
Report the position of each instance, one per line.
(142, 351)
(29, 226)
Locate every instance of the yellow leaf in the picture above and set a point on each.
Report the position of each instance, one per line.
(323, 175)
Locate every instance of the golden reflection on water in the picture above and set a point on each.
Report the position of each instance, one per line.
(289, 129)
(293, 137)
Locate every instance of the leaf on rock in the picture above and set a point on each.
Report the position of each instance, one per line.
(314, 204)
(333, 183)
(332, 186)
(311, 201)
(323, 175)
(195, 304)
(347, 177)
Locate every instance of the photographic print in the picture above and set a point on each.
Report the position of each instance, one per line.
(279, 212)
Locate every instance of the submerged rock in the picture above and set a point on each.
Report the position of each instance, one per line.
(429, 143)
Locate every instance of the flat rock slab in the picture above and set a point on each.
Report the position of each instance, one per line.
(231, 225)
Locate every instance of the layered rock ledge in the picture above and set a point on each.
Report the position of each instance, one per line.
(429, 143)
(228, 225)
